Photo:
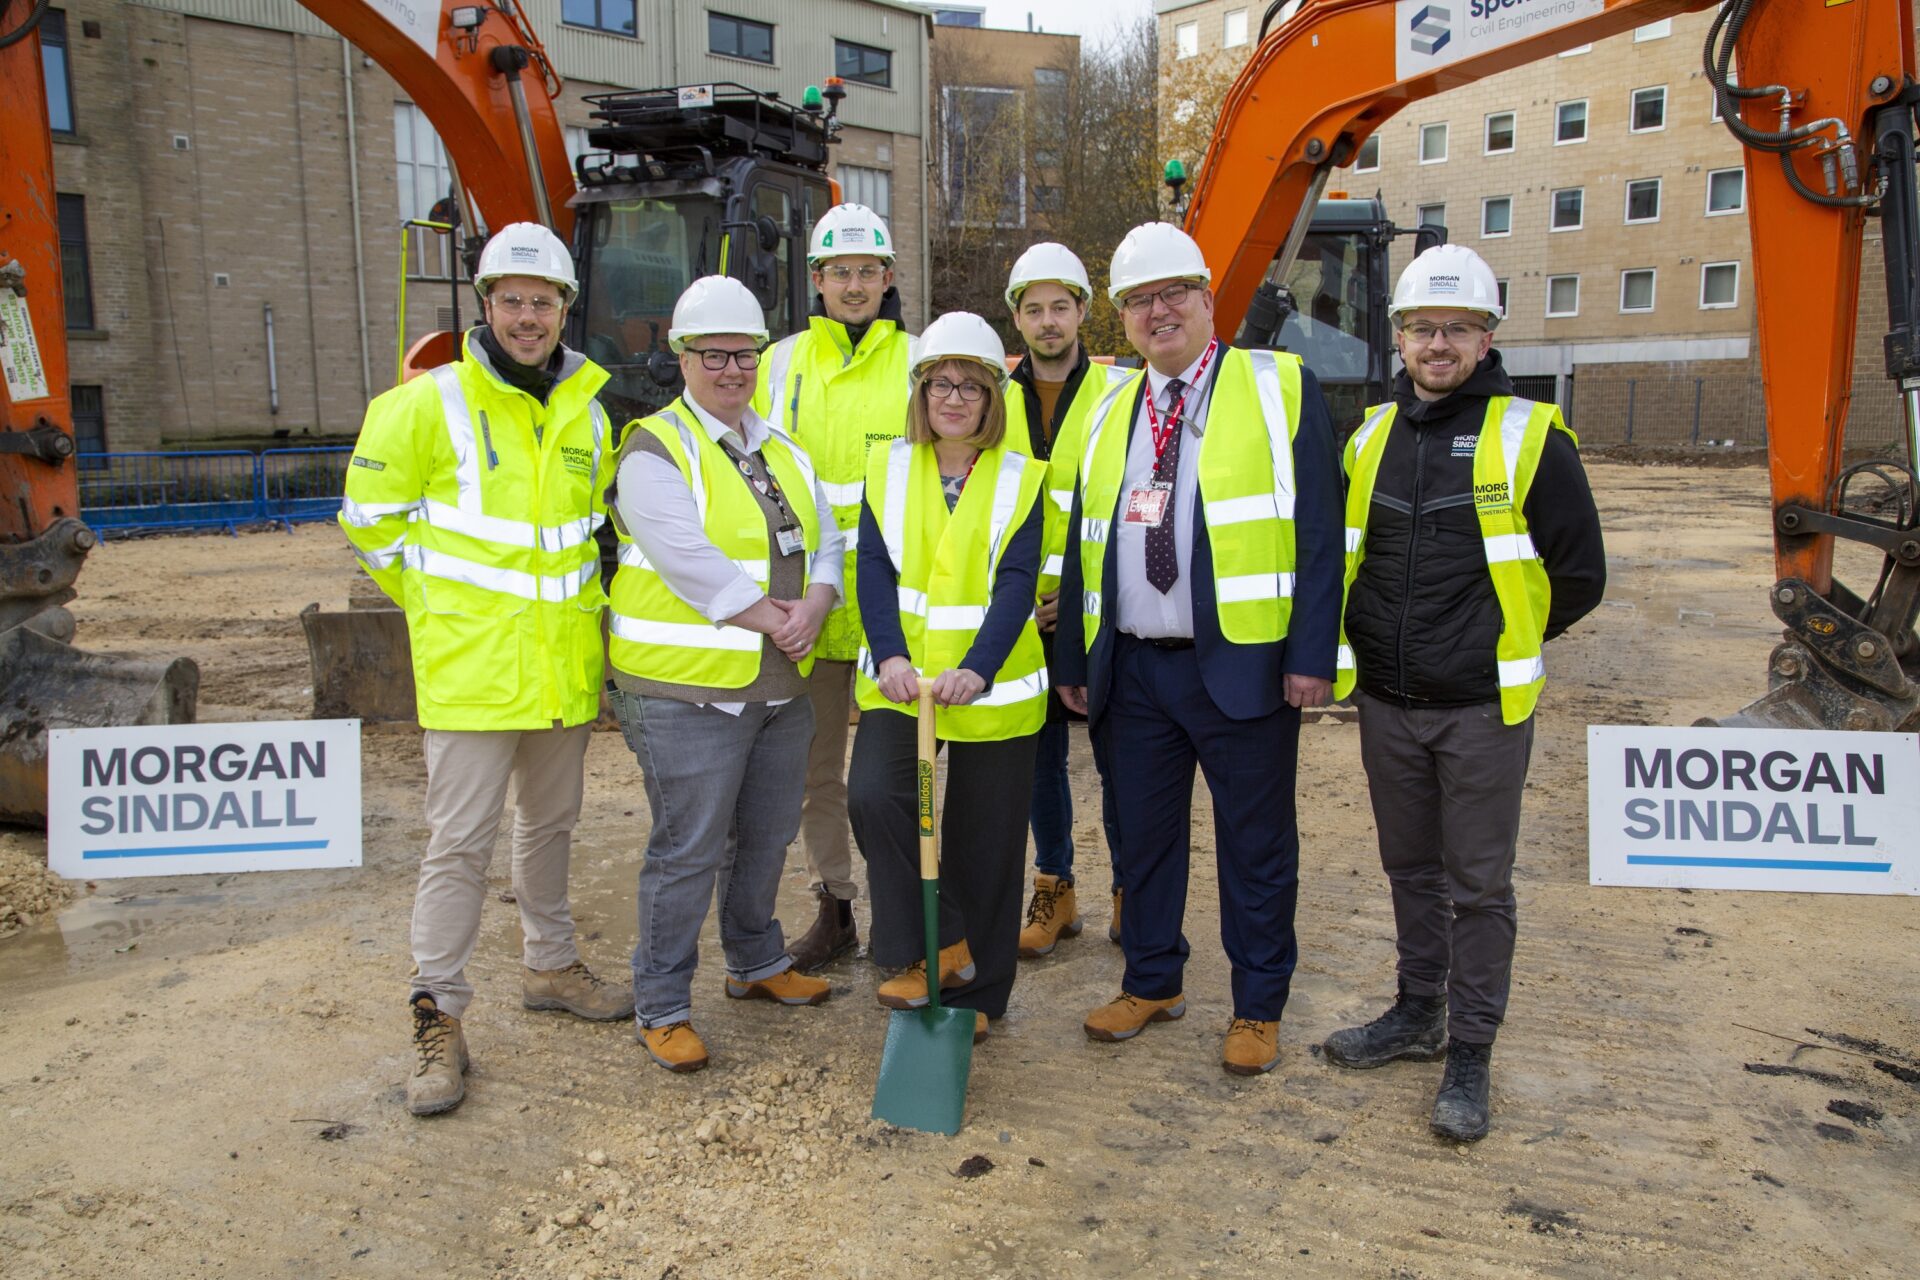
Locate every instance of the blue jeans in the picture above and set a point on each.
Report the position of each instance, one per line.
(1052, 813)
(725, 796)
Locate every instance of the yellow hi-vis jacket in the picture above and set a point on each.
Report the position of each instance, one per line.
(1245, 487)
(837, 402)
(474, 506)
(1063, 466)
(946, 564)
(1504, 464)
(655, 634)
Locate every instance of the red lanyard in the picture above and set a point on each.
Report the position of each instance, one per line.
(1163, 431)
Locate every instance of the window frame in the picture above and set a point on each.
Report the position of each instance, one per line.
(1739, 208)
(1732, 302)
(1659, 201)
(1446, 141)
(1183, 31)
(82, 249)
(96, 412)
(1018, 202)
(1563, 315)
(1486, 133)
(599, 11)
(1633, 109)
(864, 196)
(1226, 32)
(1485, 202)
(1553, 210)
(840, 42)
(1653, 290)
(1503, 293)
(1420, 214)
(53, 35)
(1586, 121)
(1359, 166)
(773, 49)
(1660, 28)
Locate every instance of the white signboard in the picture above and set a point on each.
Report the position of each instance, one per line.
(168, 800)
(696, 95)
(1807, 811)
(19, 352)
(420, 19)
(1433, 33)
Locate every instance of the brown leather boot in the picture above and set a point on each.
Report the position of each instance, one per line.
(1128, 1015)
(439, 1060)
(1051, 915)
(831, 935)
(577, 990)
(1251, 1047)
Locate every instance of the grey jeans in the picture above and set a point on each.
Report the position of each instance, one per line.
(725, 795)
(1446, 784)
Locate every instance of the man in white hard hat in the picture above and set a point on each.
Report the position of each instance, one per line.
(838, 387)
(1472, 540)
(472, 500)
(1054, 389)
(1204, 555)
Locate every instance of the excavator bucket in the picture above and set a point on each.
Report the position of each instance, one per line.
(362, 661)
(46, 684)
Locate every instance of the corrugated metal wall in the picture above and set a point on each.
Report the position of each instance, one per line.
(275, 15)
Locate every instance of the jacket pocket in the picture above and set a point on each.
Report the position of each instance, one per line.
(462, 658)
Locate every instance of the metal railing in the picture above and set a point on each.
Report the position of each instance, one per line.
(223, 489)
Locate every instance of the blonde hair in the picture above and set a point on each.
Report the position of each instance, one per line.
(993, 418)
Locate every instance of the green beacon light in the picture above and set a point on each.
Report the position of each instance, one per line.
(810, 99)
(1176, 173)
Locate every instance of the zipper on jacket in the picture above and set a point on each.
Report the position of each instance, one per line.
(486, 435)
(793, 407)
(1406, 587)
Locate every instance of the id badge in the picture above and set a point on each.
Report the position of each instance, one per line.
(1147, 505)
(789, 540)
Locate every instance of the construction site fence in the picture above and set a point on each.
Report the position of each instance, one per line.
(217, 489)
(1705, 412)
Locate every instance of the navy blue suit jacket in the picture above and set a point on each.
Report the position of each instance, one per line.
(1244, 680)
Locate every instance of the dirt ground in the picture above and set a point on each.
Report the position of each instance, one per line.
(203, 1076)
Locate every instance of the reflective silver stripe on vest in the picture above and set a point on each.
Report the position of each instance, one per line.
(1090, 602)
(1007, 692)
(1243, 588)
(550, 588)
(1380, 414)
(631, 557)
(804, 464)
(1093, 530)
(1343, 658)
(1513, 434)
(383, 557)
(511, 533)
(1258, 506)
(364, 515)
(1062, 500)
(1354, 538)
(1006, 492)
(1522, 671)
(1101, 412)
(1273, 408)
(956, 617)
(843, 495)
(851, 534)
(894, 526)
(1055, 566)
(696, 480)
(466, 449)
(781, 359)
(684, 635)
(912, 603)
(1509, 546)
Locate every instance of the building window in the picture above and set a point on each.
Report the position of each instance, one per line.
(1496, 216)
(1726, 191)
(89, 419)
(1570, 122)
(1049, 199)
(1636, 289)
(53, 61)
(732, 37)
(1499, 133)
(1234, 33)
(1649, 110)
(1186, 39)
(982, 189)
(1563, 295)
(1430, 215)
(1643, 200)
(1367, 160)
(76, 275)
(1433, 143)
(422, 178)
(615, 16)
(1502, 286)
(1653, 31)
(1719, 285)
(1569, 209)
(863, 62)
(870, 187)
(1576, 51)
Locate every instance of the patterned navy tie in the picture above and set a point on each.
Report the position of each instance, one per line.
(1163, 564)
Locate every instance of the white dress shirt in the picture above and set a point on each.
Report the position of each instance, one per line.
(1140, 608)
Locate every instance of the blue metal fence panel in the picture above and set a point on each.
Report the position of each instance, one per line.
(221, 489)
(303, 484)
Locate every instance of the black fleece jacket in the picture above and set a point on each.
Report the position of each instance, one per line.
(1422, 616)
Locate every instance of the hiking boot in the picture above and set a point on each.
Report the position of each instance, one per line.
(439, 1059)
(979, 1026)
(676, 1046)
(1415, 1027)
(1252, 1047)
(1051, 916)
(1127, 1016)
(908, 990)
(831, 935)
(1460, 1108)
(1113, 921)
(576, 990)
(789, 986)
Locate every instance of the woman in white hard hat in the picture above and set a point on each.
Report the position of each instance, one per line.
(729, 562)
(951, 535)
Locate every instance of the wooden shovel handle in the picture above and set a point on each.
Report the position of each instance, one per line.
(928, 747)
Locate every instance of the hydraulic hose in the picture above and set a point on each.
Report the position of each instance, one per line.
(26, 28)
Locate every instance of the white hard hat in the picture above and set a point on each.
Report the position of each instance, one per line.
(960, 335)
(1448, 275)
(1048, 261)
(716, 304)
(526, 249)
(1155, 251)
(848, 229)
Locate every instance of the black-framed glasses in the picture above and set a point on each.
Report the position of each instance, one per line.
(1174, 295)
(970, 392)
(714, 361)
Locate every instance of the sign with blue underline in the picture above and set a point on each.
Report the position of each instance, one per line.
(189, 799)
(1793, 810)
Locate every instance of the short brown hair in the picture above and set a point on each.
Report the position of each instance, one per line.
(993, 421)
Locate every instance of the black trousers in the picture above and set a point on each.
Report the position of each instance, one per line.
(983, 850)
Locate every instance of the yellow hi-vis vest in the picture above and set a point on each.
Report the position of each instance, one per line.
(1064, 460)
(1504, 463)
(474, 507)
(946, 565)
(656, 635)
(1246, 492)
(838, 401)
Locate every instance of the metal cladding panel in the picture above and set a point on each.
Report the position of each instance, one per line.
(274, 15)
(640, 61)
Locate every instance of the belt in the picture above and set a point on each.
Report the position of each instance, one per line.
(1160, 642)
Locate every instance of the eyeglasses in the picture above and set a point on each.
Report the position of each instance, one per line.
(840, 273)
(1174, 295)
(969, 391)
(513, 304)
(1458, 333)
(713, 361)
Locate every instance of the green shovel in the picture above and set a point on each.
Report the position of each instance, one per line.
(929, 1051)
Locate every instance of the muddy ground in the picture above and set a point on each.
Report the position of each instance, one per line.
(202, 1077)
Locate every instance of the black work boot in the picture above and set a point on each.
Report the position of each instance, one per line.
(831, 935)
(1460, 1108)
(1415, 1028)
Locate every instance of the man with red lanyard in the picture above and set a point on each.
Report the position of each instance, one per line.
(1205, 550)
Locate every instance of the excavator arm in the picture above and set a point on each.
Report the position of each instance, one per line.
(1828, 88)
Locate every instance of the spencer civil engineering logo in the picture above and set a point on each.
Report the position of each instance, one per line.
(1432, 29)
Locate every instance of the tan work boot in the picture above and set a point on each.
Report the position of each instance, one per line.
(1113, 922)
(1051, 915)
(789, 986)
(576, 990)
(909, 989)
(979, 1026)
(439, 1060)
(831, 935)
(1252, 1047)
(676, 1046)
(1126, 1017)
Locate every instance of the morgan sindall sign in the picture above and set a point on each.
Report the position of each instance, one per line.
(1810, 811)
(1434, 33)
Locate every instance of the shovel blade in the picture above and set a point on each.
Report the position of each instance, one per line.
(924, 1068)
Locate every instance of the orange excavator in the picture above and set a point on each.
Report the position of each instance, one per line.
(1825, 107)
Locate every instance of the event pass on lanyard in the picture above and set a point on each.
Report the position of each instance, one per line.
(1149, 503)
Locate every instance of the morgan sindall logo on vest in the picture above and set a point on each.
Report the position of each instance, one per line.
(1433, 35)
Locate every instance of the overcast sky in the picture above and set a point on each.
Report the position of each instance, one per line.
(1094, 18)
